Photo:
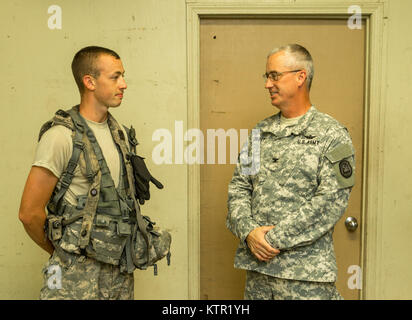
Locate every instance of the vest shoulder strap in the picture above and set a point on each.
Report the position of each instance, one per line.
(98, 166)
(61, 117)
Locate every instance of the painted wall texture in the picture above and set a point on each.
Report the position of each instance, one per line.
(395, 244)
(150, 37)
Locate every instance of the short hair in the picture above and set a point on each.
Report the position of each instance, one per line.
(301, 59)
(84, 63)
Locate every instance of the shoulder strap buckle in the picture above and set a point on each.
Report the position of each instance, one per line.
(78, 144)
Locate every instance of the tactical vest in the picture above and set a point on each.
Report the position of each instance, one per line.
(102, 223)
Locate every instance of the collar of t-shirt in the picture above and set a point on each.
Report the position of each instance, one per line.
(288, 122)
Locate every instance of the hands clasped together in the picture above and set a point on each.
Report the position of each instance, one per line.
(259, 246)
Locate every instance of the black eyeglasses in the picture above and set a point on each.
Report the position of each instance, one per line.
(274, 75)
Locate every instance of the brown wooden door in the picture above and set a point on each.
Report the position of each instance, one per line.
(232, 95)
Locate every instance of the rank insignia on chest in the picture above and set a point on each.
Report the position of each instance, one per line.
(308, 140)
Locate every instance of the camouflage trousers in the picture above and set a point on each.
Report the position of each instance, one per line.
(263, 287)
(70, 276)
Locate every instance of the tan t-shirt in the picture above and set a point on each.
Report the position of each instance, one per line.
(288, 122)
(55, 148)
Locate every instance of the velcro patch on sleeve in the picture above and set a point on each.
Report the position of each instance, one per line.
(342, 161)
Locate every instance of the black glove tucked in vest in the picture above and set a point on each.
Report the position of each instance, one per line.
(142, 178)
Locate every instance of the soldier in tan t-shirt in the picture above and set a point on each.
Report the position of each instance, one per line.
(99, 74)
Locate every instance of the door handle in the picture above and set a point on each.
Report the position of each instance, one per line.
(351, 224)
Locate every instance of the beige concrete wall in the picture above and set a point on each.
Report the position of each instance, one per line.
(150, 36)
(395, 243)
(36, 80)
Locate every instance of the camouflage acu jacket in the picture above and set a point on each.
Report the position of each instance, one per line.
(302, 185)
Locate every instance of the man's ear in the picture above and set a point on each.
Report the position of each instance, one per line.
(302, 76)
(89, 82)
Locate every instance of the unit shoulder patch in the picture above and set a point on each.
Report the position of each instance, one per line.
(345, 168)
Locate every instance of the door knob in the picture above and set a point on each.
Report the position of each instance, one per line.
(351, 224)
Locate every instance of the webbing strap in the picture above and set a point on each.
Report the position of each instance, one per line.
(68, 174)
(89, 173)
(129, 256)
(106, 176)
(94, 190)
(90, 211)
(116, 129)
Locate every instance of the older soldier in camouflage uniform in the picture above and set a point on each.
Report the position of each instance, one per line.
(284, 204)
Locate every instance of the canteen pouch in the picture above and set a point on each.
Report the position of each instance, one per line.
(156, 247)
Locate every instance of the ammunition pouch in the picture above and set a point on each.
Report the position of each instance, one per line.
(110, 235)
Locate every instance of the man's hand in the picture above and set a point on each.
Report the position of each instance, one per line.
(258, 244)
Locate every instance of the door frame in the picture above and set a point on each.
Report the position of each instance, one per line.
(374, 109)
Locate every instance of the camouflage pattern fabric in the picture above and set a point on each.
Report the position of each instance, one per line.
(157, 247)
(263, 287)
(302, 185)
(68, 276)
